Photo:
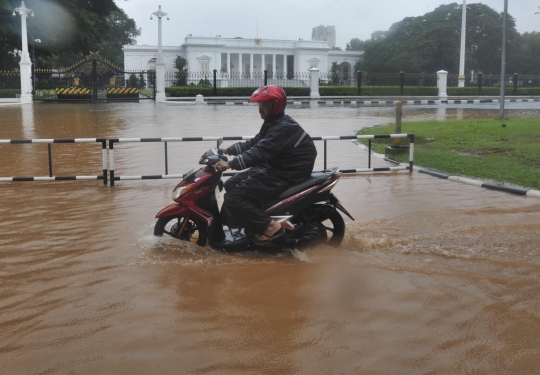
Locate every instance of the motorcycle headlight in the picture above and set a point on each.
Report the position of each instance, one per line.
(178, 191)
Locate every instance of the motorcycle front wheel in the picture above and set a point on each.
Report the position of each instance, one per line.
(171, 225)
(322, 224)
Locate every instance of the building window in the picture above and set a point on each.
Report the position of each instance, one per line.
(314, 62)
(204, 63)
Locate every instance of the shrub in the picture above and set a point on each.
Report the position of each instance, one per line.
(378, 91)
(9, 93)
(491, 91)
(191, 91)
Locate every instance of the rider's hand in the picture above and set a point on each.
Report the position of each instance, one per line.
(221, 166)
(224, 150)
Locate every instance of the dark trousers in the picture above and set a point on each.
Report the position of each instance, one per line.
(244, 193)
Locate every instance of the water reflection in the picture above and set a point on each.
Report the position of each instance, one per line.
(27, 111)
(434, 277)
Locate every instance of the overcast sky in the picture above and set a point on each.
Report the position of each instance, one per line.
(293, 19)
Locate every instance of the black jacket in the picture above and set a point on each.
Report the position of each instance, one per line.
(282, 145)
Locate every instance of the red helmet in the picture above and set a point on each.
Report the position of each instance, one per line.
(274, 94)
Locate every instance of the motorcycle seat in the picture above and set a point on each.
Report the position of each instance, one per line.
(316, 178)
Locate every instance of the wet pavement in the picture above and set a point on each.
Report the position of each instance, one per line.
(433, 277)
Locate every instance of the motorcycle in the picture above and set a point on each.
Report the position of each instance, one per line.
(308, 211)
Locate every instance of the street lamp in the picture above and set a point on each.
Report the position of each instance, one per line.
(160, 65)
(34, 61)
(503, 61)
(26, 65)
(461, 78)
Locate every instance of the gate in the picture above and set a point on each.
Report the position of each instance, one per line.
(93, 78)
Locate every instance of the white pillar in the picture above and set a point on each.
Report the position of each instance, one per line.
(274, 70)
(160, 68)
(314, 83)
(160, 65)
(461, 78)
(228, 63)
(240, 67)
(251, 65)
(442, 79)
(285, 66)
(25, 63)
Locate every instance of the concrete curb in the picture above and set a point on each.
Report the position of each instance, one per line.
(327, 102)
(487, 185)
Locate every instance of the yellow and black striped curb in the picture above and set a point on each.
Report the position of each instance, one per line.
(122, 91)
(72, 91)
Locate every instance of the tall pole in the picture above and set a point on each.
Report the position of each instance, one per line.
(461, 78)
(34, 64)
(503, 61)
(160, 47)
(25, 63)
(160, 65)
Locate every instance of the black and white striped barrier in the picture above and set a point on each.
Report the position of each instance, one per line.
(487, 185)
(373, 102)
(114, 178)
(49, 142)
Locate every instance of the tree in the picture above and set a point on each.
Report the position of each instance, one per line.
(334, 73)
(122, 31)
(355, 45)
(525, 61)
(181, 64)
(432, 42)
(68, 29)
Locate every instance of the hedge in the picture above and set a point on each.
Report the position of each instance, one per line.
(378, 91)
(191, 91)
(9, 93)
(491, 91)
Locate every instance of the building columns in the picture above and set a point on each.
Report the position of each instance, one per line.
(251, 65)
(274, 70)
(240, 67)
(285, 65)
(228, 70)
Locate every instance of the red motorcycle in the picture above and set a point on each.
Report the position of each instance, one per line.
(308, 211)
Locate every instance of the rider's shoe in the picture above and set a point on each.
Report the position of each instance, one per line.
(262, 239)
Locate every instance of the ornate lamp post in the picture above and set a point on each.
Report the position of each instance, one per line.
(26, 64)
(461, 78)
(160, 65)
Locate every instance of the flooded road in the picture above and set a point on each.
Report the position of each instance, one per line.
(433, 277)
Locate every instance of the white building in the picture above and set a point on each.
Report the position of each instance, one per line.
(325, 33)
(237, 55)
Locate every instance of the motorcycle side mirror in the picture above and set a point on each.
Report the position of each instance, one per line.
(219, 142)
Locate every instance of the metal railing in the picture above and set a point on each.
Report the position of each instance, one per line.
(49, 143)
(110, 176)
(10, 83)
(325, 139)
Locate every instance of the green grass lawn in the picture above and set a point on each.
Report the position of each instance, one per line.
(478, 148)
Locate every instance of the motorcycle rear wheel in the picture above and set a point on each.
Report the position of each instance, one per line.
(325, 223)
(170, 225)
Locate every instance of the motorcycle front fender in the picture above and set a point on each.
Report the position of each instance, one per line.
(173, 210)
(181, 210)
(335, 202)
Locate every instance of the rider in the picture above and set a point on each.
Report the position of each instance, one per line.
(281, 154)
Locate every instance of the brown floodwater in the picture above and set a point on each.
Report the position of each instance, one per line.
(433, 277)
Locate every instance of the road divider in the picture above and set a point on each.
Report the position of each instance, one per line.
(49, 143)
